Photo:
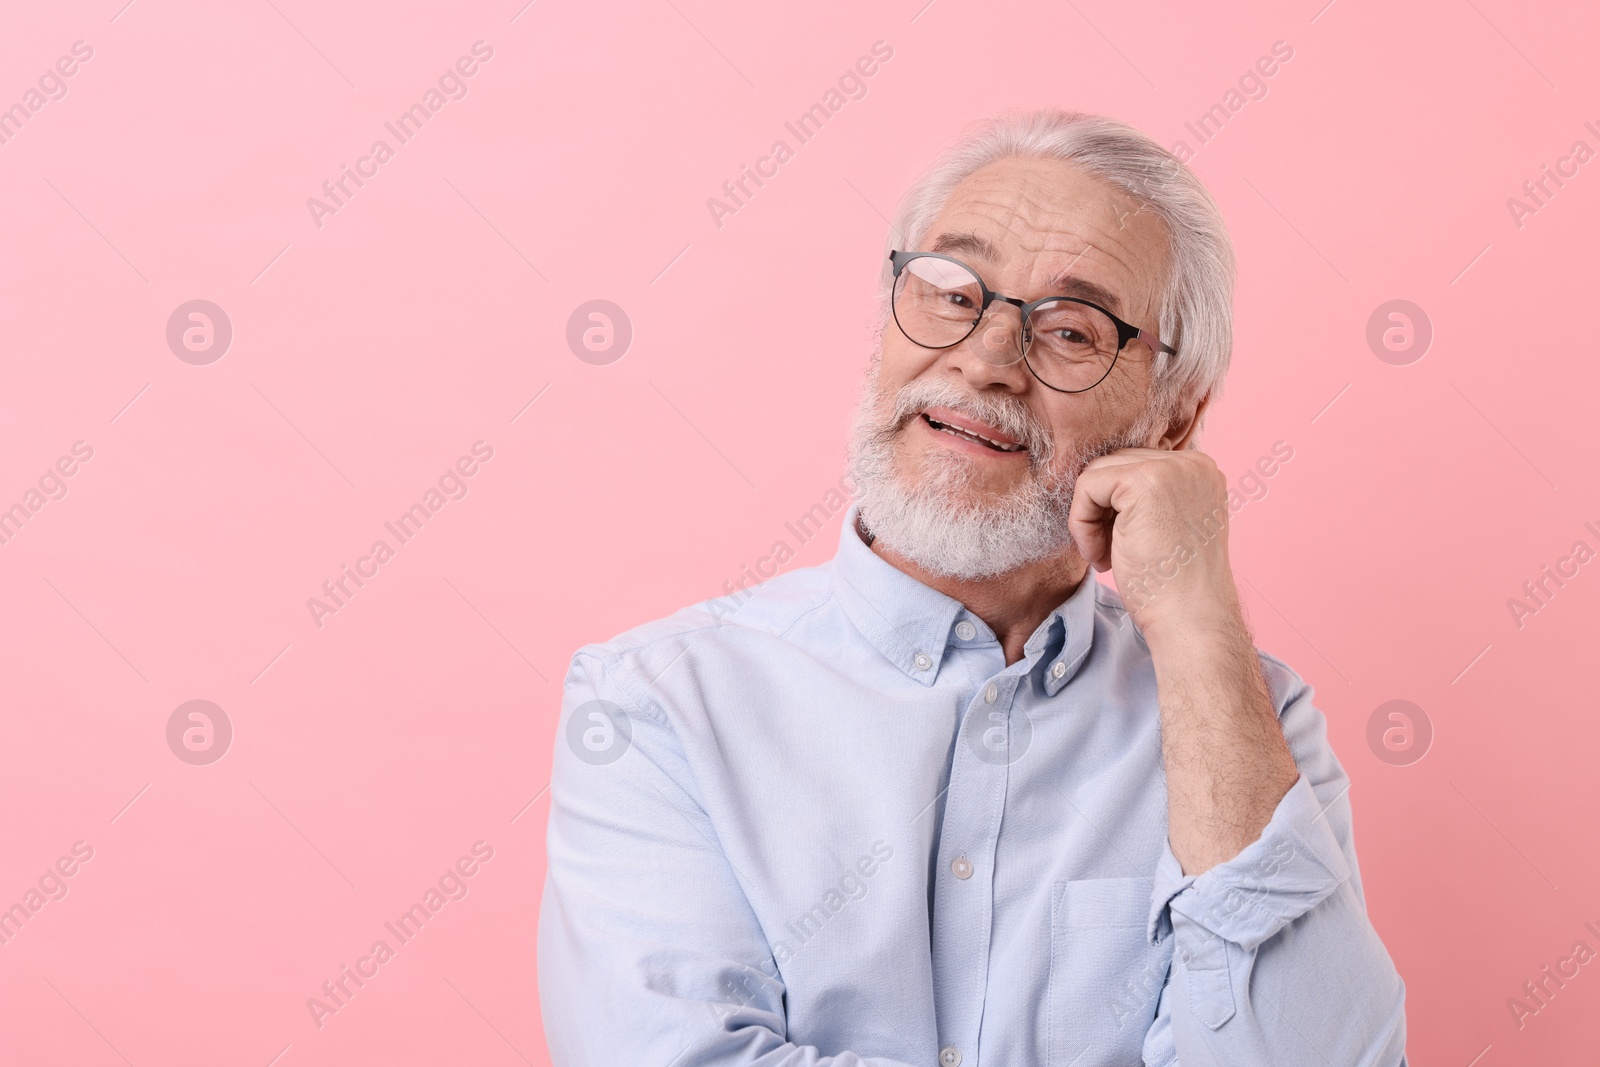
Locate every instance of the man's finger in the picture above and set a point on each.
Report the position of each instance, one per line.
(1093, 513)
(1094, 495)
(1124, 456)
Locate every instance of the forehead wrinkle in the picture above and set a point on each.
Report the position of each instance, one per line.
(1111, 230)
(1057, 279)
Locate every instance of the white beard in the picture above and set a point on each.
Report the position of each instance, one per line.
(935, 523)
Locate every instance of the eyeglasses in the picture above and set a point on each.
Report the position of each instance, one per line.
(1068, 344)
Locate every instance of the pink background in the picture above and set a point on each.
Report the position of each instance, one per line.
(368, 354)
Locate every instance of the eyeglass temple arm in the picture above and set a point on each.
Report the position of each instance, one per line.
(1155, 342)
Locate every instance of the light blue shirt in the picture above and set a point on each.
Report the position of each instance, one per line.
(822, 823)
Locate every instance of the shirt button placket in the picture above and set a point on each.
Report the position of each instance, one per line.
(963, 907)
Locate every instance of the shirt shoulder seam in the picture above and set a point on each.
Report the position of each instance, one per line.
(822, 602)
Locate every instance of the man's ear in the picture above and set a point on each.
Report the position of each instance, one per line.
(1182, 426)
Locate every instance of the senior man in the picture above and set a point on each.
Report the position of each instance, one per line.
(947, 799)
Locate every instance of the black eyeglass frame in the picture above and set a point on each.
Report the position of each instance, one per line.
(1125, 331)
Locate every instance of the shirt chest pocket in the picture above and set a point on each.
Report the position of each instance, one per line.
(1105, 976)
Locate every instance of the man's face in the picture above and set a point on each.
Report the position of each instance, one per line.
(1031, 228)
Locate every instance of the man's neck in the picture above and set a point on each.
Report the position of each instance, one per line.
(1012, 604)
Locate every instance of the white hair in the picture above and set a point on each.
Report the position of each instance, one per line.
(1196, 297)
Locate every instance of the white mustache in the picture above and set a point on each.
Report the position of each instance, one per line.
(1007, 415)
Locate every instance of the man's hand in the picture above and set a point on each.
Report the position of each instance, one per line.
(1158, 519)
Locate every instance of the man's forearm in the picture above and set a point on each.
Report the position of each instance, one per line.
(1226, 759)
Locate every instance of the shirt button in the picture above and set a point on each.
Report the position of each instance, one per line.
(961, 867)
(1058, 670)
(965, 630)
(922, 661)
(991, 694)
(949, 1056)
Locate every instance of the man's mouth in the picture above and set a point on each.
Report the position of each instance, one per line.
(971, 435)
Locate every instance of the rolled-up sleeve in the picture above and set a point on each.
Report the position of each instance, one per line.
(649, 951)
(1274, 958)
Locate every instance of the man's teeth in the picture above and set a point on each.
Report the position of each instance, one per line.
(996, 445)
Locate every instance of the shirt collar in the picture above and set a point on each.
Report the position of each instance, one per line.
(914, 625)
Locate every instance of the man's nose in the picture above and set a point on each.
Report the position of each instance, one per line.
(996, 339)
(991, 355)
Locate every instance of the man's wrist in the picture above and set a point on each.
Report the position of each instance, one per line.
(1196, 623)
